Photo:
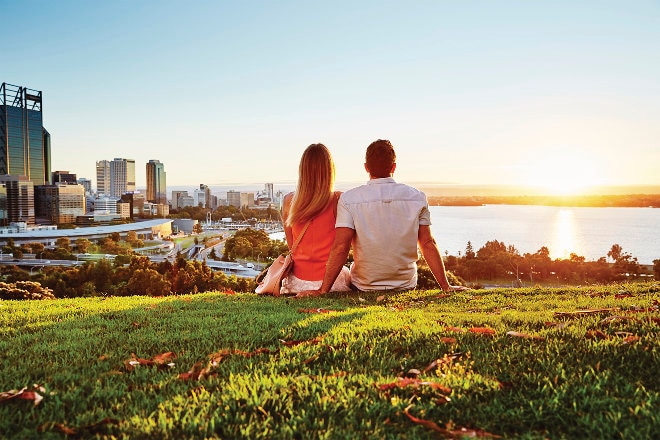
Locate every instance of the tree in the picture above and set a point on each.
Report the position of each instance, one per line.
(148, 282)
(469, 251)
(83, 245)
(615, 253)
(63, 243)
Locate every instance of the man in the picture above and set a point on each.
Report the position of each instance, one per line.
(385, 222)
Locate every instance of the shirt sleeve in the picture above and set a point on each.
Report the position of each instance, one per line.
(344, 217)
(425, 216)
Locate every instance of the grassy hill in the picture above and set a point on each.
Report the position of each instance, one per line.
(523, 363)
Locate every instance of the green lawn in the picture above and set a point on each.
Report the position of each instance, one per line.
(408, 365)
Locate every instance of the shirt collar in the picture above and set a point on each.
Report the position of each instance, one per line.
(381, 180)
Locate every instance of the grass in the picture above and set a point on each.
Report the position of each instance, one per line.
(334, 367)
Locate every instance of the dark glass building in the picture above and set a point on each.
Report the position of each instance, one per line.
(156, 182)
(24, 143)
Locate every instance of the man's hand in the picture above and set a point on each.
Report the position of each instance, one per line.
(308, 293)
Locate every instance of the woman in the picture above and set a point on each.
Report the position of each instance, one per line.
(313, 202)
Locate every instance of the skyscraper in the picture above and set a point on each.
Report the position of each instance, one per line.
(122, 177)
(24, 142)
(103, 177)
(20, 198)
(156, 183)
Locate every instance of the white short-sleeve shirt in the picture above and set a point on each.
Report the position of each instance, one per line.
(386, 217)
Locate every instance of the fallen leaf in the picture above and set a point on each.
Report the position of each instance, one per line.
(585, 312)
(298, 342)
(427, 423)
(413, 373)
(631, 339)
(415, 383)
(311, 359)
(454, 329)
(24, 393)
(319, 310)
(442, 400)
(524, 335)
(595, 334)
(482, 331)
(159, 360)
(448, 340)
(623, 295)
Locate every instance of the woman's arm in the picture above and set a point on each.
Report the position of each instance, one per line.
(286, 206)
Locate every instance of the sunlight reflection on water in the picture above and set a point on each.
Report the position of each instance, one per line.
(565, 239)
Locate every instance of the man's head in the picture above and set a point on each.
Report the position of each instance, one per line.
(380, 159)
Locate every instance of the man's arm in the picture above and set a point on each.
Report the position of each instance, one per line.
(433, 258)
(336, 259)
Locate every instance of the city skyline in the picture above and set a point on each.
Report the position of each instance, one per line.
(556, 95)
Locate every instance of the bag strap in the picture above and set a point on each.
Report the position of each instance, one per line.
(295, 245)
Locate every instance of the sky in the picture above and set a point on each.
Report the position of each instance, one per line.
(555, 94)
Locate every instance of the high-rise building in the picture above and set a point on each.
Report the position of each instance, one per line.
(86, 183)
(103, 177)
(156, 186)
(175, 198)
(20, 198)
(202, 196)
(60, 203)
(268, 190)
(234, 198)
(122, 177)
(24, 142)
(64, 177)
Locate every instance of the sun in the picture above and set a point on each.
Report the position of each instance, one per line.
(561, 173)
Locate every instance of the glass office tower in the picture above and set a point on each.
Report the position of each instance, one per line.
(156, 182)
(24, 143)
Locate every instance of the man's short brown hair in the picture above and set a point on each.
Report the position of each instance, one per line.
(379, 158)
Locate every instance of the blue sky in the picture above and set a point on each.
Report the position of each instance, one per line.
(556, 94)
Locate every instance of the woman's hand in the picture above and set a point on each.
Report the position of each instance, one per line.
(308, 293)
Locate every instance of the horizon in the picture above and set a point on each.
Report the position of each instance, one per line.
(431, 188)
(559, 96)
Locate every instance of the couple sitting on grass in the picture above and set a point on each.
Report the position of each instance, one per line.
(383, 221)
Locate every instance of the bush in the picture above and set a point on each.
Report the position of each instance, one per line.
(25, 290)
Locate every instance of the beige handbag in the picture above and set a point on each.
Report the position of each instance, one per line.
(270, 280)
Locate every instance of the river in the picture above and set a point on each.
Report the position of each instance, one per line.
(588, 232)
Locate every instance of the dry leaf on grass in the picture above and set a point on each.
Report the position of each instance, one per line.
(450, 432)
(585, 312)
(319, 310)
(454, 329)
(161, 361)
(524, 335)
(482, 331)
(415, 383)
(24, 393)
(595, 334)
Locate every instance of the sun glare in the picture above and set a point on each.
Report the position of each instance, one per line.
(561, 173)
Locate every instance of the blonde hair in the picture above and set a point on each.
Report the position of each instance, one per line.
(316, 181)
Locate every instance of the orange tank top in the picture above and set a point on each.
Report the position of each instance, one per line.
(312, 252)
